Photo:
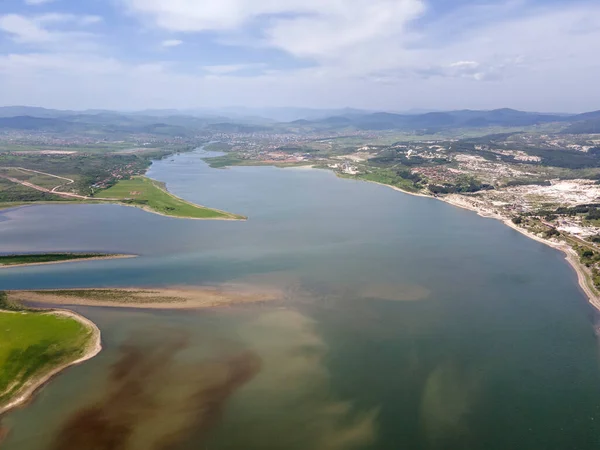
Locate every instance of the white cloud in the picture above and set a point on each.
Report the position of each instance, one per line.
(49, 30)
(57, 18)
(229, 69)
(171, 43)
(200, 15)
(465, 64)
(23, 29)
(38, 2)
(305, 28)
(89, 20)
(542, 59)
(364, 37)
(349, 27)
(223, 69)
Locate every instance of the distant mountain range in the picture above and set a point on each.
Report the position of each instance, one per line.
(172, 122)
(443, 120)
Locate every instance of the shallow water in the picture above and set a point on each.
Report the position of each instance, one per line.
(404, 323)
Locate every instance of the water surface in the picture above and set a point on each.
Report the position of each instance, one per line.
(404, 323)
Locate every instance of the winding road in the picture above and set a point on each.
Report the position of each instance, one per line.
(49, 191)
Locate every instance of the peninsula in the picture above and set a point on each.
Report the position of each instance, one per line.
(152, 196)
(42, 178)
(36, 259)
(37, 345)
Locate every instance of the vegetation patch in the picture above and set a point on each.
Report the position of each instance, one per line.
(591, 259)
(9, 305)
(150, 194)
(400, 178)
(34, 344)
(111, 295)
(16, 260)
(218, 147)
(464, 184)
(11, 192)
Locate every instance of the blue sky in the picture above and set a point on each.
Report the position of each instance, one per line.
(376, 54)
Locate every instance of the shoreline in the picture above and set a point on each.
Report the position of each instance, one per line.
(150, 210)
(93, 349)
(162, 299)
(77, 260)
(17, 205)
(163, 188)
(570, 256)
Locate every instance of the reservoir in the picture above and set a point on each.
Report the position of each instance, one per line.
(403, 323)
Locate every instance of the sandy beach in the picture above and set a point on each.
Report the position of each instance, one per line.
(94, 347)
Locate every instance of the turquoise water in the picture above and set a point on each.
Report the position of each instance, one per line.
(404, 323)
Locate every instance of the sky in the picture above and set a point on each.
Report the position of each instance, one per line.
(395, 55)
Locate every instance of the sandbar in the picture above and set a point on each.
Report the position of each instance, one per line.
(150, 298)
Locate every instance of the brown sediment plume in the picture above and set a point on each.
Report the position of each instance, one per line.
(3, 433)
(207, 405)
(155, 399)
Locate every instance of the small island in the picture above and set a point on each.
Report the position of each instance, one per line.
(35, 259)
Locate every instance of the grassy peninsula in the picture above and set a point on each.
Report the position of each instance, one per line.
(36, 346)
(28, 178)
(151, 195)
(52, 258)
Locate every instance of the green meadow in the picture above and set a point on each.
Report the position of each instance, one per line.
(16, 260)
(35, 343)
(144, 192)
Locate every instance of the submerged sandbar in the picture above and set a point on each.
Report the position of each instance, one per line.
(149, 298)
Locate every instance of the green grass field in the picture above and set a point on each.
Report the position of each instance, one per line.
(230, 159)
(16, 193)
(389, 177)
(142, 191)
(33, 344)
(12, 260)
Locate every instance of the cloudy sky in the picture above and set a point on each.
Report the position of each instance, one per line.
(379, 54)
